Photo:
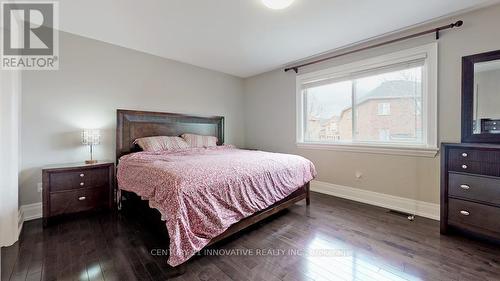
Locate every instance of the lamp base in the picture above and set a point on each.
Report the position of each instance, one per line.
(90, 161)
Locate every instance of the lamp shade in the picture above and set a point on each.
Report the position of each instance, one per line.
(277, 4)
(91, 137)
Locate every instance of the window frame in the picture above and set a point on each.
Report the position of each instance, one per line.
(429, 53)
(383, 106)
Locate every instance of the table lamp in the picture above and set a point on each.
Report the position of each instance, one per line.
(91, 137)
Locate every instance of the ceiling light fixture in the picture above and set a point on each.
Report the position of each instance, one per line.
(277, 4)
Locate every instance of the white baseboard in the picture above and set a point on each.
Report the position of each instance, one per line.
(419, 208)
(31, 211)
(28, 212)
(20, 221)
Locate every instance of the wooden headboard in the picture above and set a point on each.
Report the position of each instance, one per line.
(132, 125)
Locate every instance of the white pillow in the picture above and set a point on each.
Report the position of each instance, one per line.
(199, 140)
(161, 143)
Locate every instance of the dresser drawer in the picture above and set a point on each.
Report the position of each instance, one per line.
(474, 167)
(478, 188)
(77, 200)
(473, 216)
(477, 155)
(77, 179)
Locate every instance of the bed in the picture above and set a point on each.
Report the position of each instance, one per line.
(200, 196)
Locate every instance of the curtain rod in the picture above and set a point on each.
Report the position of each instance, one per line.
(434, 30)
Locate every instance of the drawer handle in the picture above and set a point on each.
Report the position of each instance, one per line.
(465, 213)
(82, 198)
(464, 186)
(82, 175)
(465, 154)
(464, 166)
(82, 184)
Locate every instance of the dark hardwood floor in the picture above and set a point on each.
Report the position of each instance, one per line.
(334, 239)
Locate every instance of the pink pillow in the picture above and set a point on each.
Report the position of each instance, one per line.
(199, 140)
(161, 143)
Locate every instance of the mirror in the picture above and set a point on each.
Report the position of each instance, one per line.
(481, 98)
(486, 112)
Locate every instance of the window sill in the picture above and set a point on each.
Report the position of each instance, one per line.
(375, 149)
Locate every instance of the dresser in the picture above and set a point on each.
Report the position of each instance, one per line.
(74, 188)
(470, 189)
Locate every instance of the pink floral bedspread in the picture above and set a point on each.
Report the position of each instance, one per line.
(200, 192)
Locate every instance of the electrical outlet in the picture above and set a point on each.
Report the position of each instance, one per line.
(39, 187)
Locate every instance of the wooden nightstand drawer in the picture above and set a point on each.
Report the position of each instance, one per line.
(74, 188)
(77, 201)
(60, 181)
(97, 177)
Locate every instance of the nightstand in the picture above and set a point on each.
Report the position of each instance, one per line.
(74, 188)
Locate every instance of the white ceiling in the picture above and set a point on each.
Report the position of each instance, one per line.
(243, 37)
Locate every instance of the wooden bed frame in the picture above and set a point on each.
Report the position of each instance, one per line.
(132, 125)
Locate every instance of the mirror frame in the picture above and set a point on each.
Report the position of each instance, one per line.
(468, 98)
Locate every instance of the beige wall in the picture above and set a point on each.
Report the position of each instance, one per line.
(270, 114)
(94, 80)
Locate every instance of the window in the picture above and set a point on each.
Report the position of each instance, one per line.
(387, 102)
(384, 108)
